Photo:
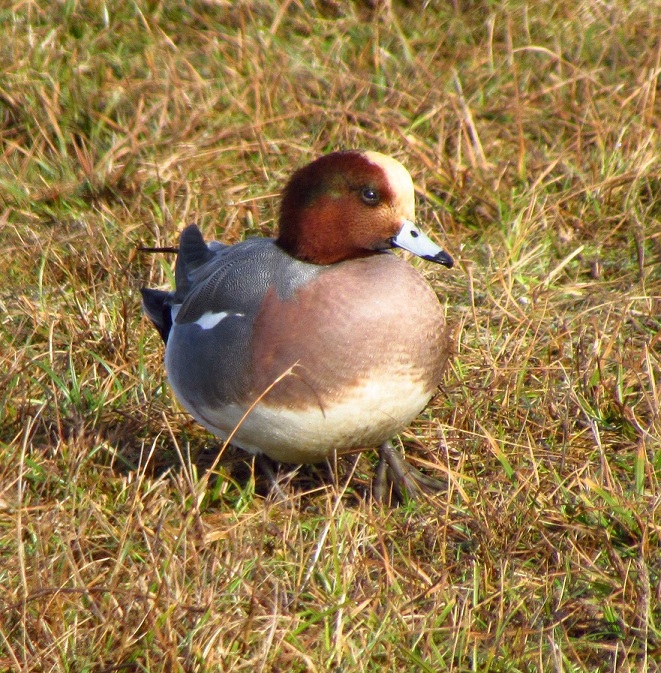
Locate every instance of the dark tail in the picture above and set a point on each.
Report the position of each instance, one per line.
(157, 306)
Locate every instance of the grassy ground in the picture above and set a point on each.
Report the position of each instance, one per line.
(532, 131)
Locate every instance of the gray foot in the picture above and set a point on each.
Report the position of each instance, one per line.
(394, 474)
(266, 465)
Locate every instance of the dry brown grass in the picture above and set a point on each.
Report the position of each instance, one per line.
(532, 133)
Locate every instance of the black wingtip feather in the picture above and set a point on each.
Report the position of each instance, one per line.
(193, 253)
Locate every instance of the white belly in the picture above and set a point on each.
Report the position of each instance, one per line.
(369, 415)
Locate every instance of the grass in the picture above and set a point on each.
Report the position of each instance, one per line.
(532, 134)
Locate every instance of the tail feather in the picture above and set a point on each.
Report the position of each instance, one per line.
(157, 306)
(193, 252)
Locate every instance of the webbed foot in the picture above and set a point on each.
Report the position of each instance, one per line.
(395, 475)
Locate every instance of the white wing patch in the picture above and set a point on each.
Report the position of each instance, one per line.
(209, 319)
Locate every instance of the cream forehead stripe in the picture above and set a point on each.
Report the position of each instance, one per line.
(400, 181)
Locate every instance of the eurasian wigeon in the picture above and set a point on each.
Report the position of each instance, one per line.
(321, 340)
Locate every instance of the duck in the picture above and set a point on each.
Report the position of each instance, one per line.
(318, 342)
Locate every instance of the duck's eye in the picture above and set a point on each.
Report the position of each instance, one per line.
(370, 196)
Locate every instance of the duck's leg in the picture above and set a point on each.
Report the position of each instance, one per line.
(268, 469)
(394, 470)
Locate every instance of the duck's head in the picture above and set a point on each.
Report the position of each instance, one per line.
(352, 204)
